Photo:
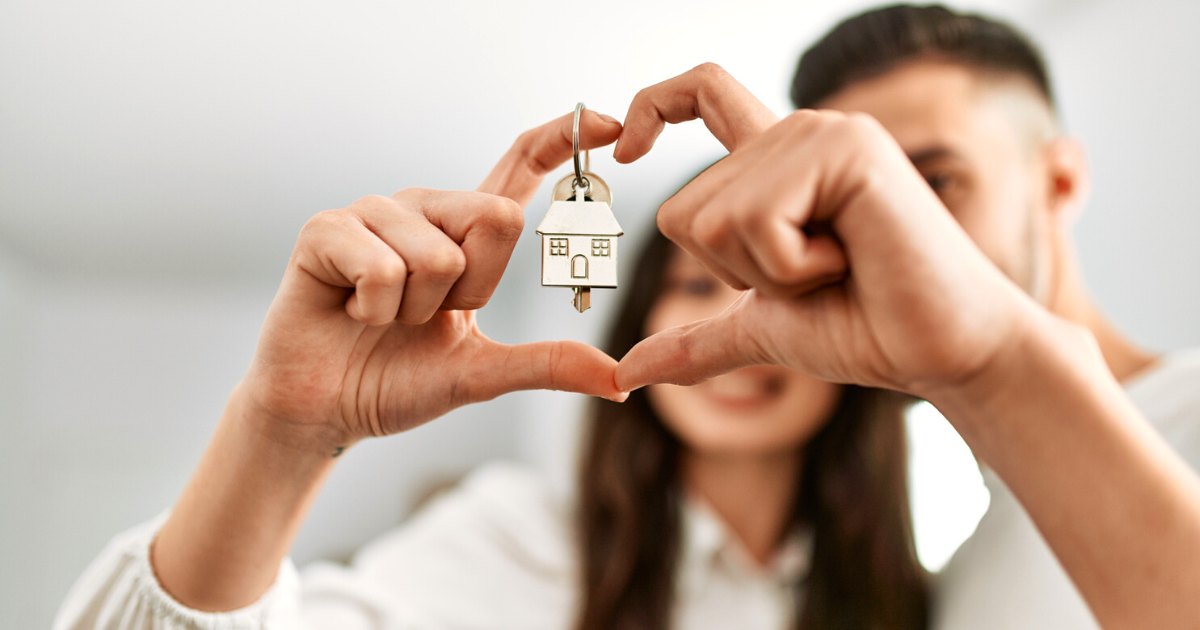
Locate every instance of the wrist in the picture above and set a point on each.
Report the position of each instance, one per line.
(223, 543)
(1041, 358)
(302, 440)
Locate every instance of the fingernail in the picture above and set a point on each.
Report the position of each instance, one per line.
(607, 118)
(619, 398)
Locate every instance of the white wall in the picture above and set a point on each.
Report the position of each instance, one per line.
(1128, 77)
(16, 495)
(109, 396)
(156, 162)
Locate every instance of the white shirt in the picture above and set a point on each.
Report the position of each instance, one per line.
(1005, 576)
(497, 552)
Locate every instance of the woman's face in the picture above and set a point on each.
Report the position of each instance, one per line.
(759, 409)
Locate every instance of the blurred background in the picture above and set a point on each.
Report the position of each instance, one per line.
(158, 159)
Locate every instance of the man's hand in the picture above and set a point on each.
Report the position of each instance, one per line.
(857, 272)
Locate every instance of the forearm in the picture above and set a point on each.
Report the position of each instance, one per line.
(222, 545)
(1120, 510)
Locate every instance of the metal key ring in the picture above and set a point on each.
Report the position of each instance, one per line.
(580, 181)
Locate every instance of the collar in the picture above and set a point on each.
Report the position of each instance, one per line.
(709, 547)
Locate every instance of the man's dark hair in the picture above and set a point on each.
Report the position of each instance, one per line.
(874, 42)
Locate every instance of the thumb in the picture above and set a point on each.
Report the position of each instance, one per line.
(568, 366)
(690, 354)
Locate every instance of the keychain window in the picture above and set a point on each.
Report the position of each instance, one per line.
(558, 246)
(600, 247)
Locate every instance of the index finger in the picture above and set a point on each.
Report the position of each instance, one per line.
(732, 114)
(485, 228)
(542, 149)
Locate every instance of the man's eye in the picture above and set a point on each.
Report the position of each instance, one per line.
(940, 182)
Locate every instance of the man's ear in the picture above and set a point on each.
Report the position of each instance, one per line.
(1068, 180)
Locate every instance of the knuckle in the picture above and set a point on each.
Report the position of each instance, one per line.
(444, 263)
(709, 71)
(553, 364)
(747, 337)
(470, 302)
(710, 231)
(754, 220)
(863, 119)
(320, 219)
(807, 123)
(525, 149)
(406, 198)
(665, 226)
(412, 319)
(805, 117)
(505, 218)
(862, 128)
(377, 319)
(643, 95)
(411, 193)
(872, 145)
(688, 342)
(667, 218)
(321, 223)
(388, 272)
(525, 140)
(372, 203)
(828, 121)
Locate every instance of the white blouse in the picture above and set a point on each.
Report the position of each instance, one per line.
(497, 552)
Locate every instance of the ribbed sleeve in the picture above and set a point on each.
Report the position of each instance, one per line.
(120, 592)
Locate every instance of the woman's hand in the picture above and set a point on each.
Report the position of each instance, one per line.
(373, 330)
(858, 272)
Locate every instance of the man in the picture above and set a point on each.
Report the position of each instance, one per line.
(970, 102)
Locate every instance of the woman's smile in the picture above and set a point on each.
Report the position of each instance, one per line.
(747, 389)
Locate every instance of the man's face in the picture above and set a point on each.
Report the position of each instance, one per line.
(976, 140)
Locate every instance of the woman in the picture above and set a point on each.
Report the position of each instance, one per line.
(779, 457)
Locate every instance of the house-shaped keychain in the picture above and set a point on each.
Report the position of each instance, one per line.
(579, 240)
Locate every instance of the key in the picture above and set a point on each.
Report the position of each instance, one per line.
(579, 233)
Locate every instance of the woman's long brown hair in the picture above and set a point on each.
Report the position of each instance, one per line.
(853, 495)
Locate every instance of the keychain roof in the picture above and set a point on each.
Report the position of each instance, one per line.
(562, 219)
